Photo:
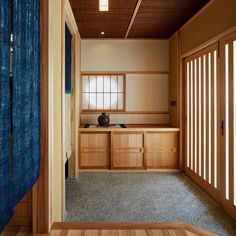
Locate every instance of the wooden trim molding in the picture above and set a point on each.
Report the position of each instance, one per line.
(70, 19)
(123, 72)
(63, 119)
(41, 194)
(129, 225)
(84, 112)
(133, 17)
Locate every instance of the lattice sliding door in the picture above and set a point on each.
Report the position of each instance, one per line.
(210, 76)
(201, 107)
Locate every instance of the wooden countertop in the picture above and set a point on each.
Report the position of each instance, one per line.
(133, 127)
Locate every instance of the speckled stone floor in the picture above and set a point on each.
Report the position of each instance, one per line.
(144, 197)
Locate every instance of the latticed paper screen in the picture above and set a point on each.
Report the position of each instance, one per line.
(103, 92)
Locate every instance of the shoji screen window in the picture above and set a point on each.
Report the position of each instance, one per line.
(103, 92)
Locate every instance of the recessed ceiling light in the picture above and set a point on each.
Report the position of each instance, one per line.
(102, 33)
(103, 5)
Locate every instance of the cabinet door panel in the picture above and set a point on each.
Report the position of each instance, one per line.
(161, 139)
(128, 140)
(128, 160)
(94, 159)
(162, 150)
(94, 150)
(128, 150)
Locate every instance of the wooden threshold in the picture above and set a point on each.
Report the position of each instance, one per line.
(130, 226)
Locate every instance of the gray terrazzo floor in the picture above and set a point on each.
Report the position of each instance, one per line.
(144, 197)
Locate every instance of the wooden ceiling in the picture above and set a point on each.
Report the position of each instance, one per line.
(134, 18)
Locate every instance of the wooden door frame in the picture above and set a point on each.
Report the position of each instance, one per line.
(42, 196)
(41, 222)
(75, 80)
(216, 194)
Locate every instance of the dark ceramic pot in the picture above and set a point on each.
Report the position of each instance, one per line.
(104, 119)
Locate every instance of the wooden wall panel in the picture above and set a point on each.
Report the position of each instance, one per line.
(23, 212)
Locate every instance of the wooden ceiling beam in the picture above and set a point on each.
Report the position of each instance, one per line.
(133, 17)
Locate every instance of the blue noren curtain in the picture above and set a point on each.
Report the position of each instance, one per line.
(19, 146)
(5, 122)
(68, 38)
(26, 96)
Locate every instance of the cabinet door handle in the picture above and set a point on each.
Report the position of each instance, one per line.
(142, 150)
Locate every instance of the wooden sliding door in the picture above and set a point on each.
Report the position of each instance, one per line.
(228, 117)
(202, 109)
(210, 77)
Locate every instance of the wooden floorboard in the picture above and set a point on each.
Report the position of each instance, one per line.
(123, 229)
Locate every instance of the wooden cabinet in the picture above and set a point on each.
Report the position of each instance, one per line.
(161, 150)
(128, 150)
(94, 150)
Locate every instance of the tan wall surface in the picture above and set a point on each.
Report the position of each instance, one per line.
(124, 55)
(147, 92)
(218, 17)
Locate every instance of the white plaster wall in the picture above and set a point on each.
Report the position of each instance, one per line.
(146, 90)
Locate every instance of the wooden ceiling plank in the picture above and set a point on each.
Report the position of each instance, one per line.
(133, 17)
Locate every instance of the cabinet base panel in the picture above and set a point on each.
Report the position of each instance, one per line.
(94, 167)
(132, 170)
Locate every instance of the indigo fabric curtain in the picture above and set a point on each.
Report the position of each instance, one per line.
(68, 38)
(26, 96)
(5, 122)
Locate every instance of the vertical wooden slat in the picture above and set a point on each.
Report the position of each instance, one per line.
(187, 81)
(199, 116)
(212, 121)
(202, 116)
(196, 116)
(231, 125)
(207, 117)
(234, 102)
(221, 137)
(145, 149)
(216, 117)
(193, 115)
